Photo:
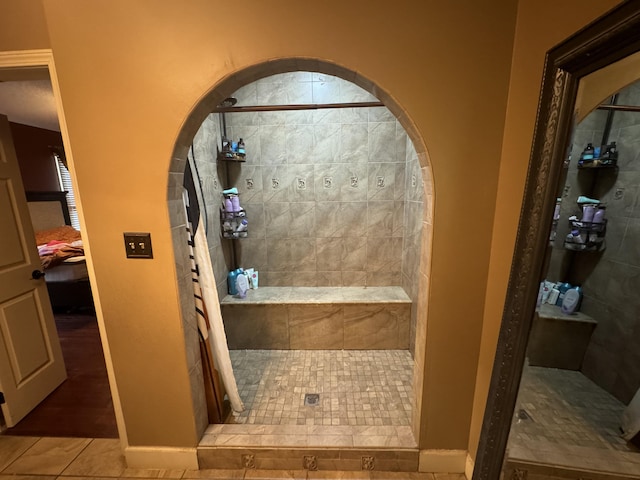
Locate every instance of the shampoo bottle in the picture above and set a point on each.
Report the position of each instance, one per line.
(231, 282)
(571, 300)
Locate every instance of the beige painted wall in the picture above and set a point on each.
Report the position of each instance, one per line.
(22, 25)
(541, 24)
(133, 70)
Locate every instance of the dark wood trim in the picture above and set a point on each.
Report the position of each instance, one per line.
(60, 197)
(605, 41)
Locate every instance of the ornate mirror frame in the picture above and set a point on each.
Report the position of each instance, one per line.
(605, 41)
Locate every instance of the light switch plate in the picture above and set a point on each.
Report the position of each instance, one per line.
(138, 245)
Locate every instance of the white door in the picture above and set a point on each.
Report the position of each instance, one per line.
(31, 363)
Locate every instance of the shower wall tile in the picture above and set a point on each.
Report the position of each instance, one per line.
(250, 326)
(341, 219)
(302, 186)
(326, 116)
(287, 279)
(291, 254)
(325, 92)
(399, 187)
(299, 140)
(284, 219)
(383, 279)
(250, 135)
(329, 253)
(326, 144)
(248, 118)
(354, 143)
(316, 327)
(370, 327)
(399, 219)
(403, 144)
(249, 185)
(381, 182)
(354, 115)
(340, 182)
(341, 253)
(299, 117)
(329, 279)
(350, 92)
(256, 218)
(250, 253)
(276, 183)
(273, 119)
(246, 95)
(273, 143)
(384, 254)
(354, 254)
(354, 278)
(316, 183)
(382, 142)
(380, 114)
(380, 219)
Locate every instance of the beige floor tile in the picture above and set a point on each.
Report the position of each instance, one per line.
(217, 474)
(339, 475)
(275, 474)
(48, 456)
(32, 477)
(102, 458)
(12, 447)
(151, 473)
(375, 475)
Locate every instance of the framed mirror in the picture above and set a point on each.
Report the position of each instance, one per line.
(569, 70)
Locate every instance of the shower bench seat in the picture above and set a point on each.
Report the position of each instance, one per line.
(307, 318)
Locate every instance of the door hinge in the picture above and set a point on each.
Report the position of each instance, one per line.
(1, 398)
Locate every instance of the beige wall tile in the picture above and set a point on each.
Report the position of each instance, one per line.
(316, 327)
(369, 327)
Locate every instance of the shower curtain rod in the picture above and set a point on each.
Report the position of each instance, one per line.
(304, 106)
(622, 108)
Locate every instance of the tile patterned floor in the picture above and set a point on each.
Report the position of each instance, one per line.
(356, 387)
(29, 458)
(572, 422)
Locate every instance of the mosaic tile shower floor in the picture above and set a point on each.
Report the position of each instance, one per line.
(355, 387)
(571, 422)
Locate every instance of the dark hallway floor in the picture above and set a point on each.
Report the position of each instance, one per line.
(82, 405)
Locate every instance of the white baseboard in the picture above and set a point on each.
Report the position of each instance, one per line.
(164, 458)
(442, 461)
(469, 466)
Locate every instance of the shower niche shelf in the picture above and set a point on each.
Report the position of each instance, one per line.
(231, 158)
(591, 235)
(233, 224)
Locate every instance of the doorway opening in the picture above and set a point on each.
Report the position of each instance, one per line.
(82, 405)
(324, 193)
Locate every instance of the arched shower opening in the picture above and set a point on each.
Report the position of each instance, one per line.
(334, 209)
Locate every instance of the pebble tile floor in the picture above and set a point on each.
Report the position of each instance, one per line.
(563, 418)
(355, 387)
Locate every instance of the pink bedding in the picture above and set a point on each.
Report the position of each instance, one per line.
(57, 244)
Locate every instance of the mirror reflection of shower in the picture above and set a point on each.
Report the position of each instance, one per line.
(579, 401)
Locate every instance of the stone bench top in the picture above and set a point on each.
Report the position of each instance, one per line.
(319, 295)
(554, 312)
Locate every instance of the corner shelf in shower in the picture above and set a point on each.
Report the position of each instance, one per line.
(234, 159)
(229, 223)
(591, 232)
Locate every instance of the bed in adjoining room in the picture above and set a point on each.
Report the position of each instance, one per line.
(61, 251)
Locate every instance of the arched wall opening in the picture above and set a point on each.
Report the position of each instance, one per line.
(415, 284)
